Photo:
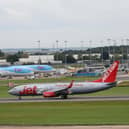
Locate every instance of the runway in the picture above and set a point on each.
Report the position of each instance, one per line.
(70, 99)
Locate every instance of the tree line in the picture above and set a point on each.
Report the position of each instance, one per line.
(118, 52)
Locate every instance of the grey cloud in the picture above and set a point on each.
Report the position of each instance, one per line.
(72, 20)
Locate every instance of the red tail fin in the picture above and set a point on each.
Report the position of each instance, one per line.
(110, 74)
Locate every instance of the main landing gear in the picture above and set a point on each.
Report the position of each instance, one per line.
(64, 96)
(19, 97)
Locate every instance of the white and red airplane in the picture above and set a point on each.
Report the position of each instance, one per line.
(108, 80)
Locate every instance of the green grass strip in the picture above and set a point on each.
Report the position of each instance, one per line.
(65, 113)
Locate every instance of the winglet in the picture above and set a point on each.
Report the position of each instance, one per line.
(71, 84)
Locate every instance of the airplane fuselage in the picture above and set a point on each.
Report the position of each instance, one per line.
(15, 71)
(77, 88)
(25, 70)
(40, 68)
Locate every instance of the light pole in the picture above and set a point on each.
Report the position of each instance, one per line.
(82, 52)
(90, 46)
(122, 43)
(109, 40)
(39, 61)
(114, 52)
(56, 56)
(65, 52)
(127, 41)
(57, 49)
(101, 51)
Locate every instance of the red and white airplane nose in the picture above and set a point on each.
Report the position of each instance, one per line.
(12, 91)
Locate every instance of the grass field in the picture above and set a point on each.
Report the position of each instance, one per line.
(65, 113)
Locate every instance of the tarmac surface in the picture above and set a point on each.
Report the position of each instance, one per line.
(70, 99)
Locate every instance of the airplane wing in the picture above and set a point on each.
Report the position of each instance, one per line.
(58, 91)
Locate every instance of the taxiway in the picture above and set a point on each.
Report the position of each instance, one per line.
(70, 99)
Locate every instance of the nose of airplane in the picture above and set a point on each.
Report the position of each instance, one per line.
(12, 91)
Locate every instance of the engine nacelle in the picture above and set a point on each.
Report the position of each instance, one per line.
(49, 94)
(54, 94)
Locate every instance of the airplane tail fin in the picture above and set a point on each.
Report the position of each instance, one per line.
(110, 74)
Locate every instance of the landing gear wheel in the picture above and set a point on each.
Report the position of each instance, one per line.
(19, 98)
(64, 96)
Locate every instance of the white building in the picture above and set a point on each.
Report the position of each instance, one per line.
(4, 62)
(35, 59)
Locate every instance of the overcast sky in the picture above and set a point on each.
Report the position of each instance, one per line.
(23, 22)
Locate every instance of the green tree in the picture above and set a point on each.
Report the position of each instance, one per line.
(86, 57)
(1, 54)
(57, 56)
(12, 58)
(70, 59)
(21, 54)
(65, 58)
(124, 56)
(79, 56)
(104, 56)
